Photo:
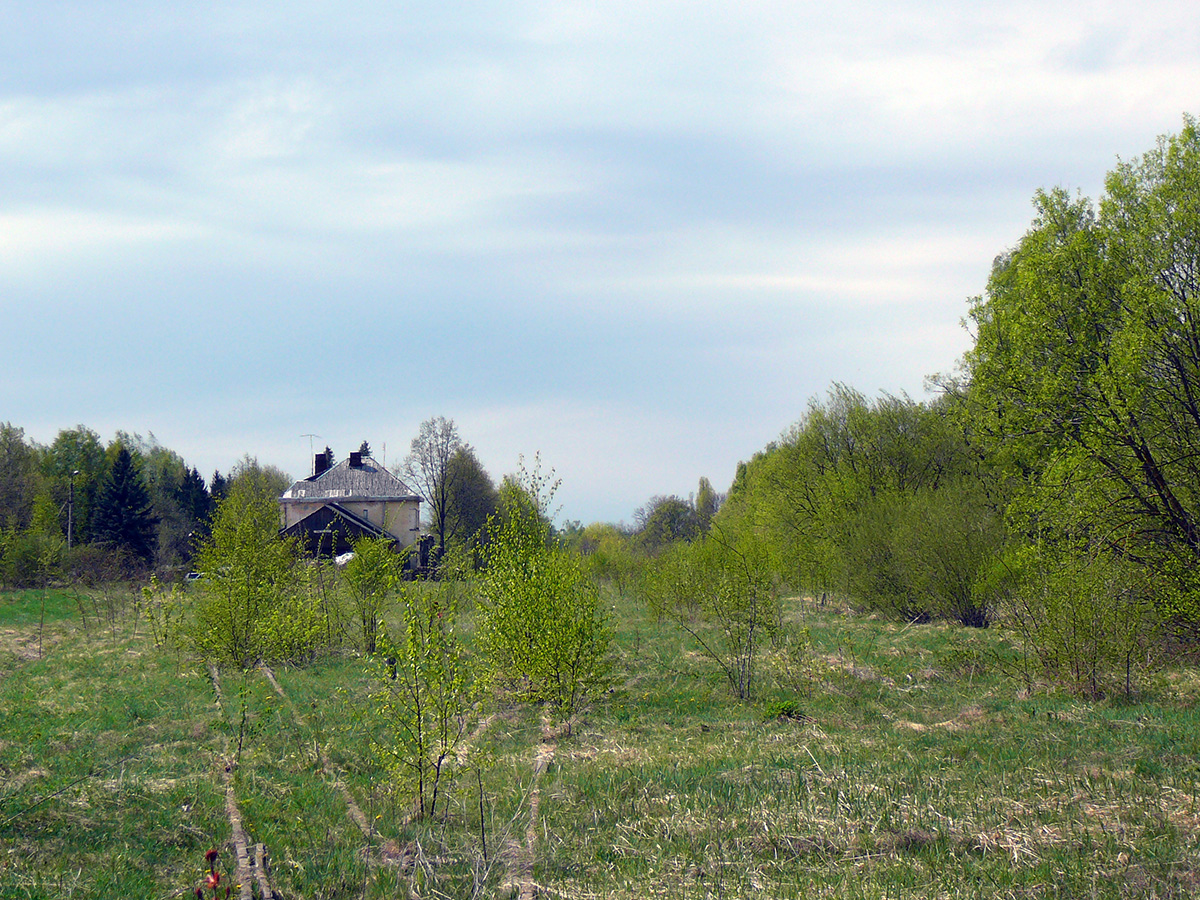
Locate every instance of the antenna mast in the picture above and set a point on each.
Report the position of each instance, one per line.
(311, 458)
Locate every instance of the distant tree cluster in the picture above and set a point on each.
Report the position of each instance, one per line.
(82, 508)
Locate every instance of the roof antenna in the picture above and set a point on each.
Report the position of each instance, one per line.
(311, 459)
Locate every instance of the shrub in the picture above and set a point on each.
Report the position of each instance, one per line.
(424, 696)
(723, 594)
(370, 579)
(1090, 618)
(253, 603)
(541, 626)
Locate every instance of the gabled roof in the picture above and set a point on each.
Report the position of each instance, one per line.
(332, 529)
(367, 481)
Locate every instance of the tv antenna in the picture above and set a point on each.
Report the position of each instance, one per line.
(311, 458)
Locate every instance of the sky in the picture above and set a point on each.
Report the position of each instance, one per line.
(632, 238)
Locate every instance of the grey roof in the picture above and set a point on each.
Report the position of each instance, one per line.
(371, 481)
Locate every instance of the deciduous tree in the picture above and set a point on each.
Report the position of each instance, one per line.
(253, 602)
(541, 625)
(1085, 375)
(18, 477)
(666, 520)
(427, 470)
(471, 497)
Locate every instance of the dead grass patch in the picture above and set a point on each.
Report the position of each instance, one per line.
(968, 717)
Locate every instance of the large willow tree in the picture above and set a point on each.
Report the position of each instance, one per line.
(1085, 377)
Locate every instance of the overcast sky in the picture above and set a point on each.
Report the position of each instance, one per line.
(635, 237)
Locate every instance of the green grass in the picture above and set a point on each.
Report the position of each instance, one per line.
(879, 760)
(22, 609)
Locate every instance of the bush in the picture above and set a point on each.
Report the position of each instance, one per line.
(1090, 618)
(254, 605)
(541, 626)
(29, 559)
(370, 579)
(93, 565)
(723, 594)
(920, 556)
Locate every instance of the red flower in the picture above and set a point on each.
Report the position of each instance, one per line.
(211, 856)
(212, 880)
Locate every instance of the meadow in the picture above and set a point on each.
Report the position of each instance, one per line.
(878, 760)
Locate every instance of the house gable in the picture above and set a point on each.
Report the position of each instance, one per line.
(331, 529)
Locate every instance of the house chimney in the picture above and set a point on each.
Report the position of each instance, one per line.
(355, 459)
(320, 464)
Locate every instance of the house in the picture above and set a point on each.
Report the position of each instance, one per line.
(341, 503)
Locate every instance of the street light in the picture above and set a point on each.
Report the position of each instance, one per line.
(71, 510)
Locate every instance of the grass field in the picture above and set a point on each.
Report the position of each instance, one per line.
(881, 760)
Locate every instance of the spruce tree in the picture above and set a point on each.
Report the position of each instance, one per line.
(219, 486)
(193, 497)
(123, 516)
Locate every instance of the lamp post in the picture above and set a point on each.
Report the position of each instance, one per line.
(71, 510)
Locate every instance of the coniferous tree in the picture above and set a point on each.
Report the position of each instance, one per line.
(194, 498)
(123, 515)
(218, 487)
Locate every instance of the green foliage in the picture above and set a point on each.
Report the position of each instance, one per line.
(883, 499)
(667, 520)
(609, 556)
(74, 450)
(255, 601)
(1091, 620)
(178, 498)
(164, 611)
(723, 593)
(1086, 370)
(371, 577)
(265, 479)
(920, 555)
(29, 558)
(707, 502)
(423, 695)
(470, 498)
(19, 477)
(946, 541)
(540, 623)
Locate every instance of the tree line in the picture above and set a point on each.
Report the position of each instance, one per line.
(82, 509)
(1052, 484)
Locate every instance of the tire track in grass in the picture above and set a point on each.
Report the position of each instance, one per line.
(249, 871)
(390, 853)
(520, 857)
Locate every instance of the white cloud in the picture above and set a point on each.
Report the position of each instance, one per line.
(43, 240)
(270, 122)
(651, 230)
